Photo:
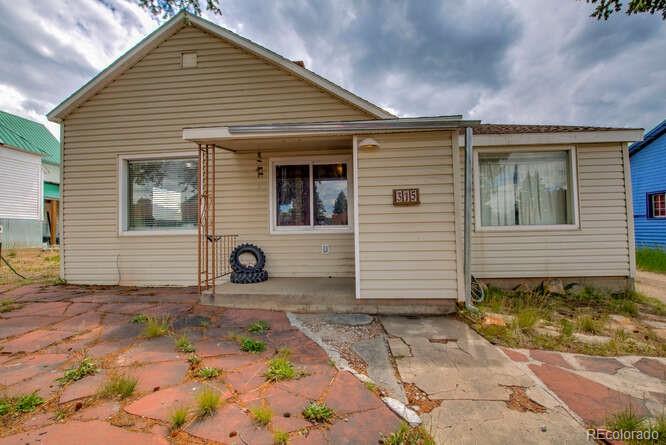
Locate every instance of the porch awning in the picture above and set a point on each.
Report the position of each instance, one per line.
(51, 190)
(324, 134)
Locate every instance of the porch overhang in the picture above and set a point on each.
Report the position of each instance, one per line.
(315, 134)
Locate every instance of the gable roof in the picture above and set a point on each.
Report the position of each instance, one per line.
(29, 136)
(183, 18)
(520, 128)
(649, 137)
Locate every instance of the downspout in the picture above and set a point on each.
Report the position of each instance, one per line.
(468, 220)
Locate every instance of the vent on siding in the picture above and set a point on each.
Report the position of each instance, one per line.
(188, 60)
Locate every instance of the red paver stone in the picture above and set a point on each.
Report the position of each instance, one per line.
(79, 323)
(22, 293)
(160, 404)
(29, 366)
(347, 395)
(83, 433)
(44, 384)
(167, 310)
(86, 387)
(51, 308)
(126, 308)
(158, 376)
(76, 343)
(366, 427)
(233, 362)
(103, 348)
(592, 401)
(651, 367)
(34, 341)
(150, 351)
(286, 407)
(312, 437)
(80, 308)
(552, 358)
(20, 325)
(248, 378)
(514, 355)
(211, 347)
(312, 385)
(607, 365)
(230, 425)
(102, 411)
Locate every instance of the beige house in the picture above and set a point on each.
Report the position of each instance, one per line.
(197, 139)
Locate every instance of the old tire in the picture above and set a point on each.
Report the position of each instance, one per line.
(248, 277)
(237, 266)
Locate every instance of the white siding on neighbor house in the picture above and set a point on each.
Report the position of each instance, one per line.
(145, 111)
(51, 173)
(599, 247)
(407, 252)
(20, 185)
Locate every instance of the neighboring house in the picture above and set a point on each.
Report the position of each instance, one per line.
(648, 177)
(324, 181)
(29, 182)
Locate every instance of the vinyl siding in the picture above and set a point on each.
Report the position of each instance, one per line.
(20, 185)
(407, 252)
(144, 111)
(600, 247)
(648, 176)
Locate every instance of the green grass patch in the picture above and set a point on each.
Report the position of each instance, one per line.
(183, 344)
(250, 345)
(526, 318)
(85, 367)
(280, 438)
(636, 429)
(651, 259)
(259, 327)
(281, 368)
(588, 325)
(20, 405)
(178, 418)
(317, 412)
(118, 386)
(406, 435)
(156, 327)
(208, 400)
(139, 319)
(261, 414)
(208, 372)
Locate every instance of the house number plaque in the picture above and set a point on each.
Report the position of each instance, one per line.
(406, 197)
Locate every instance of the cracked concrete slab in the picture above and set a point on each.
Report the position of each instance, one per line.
(375, 353)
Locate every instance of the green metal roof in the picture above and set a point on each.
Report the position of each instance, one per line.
(51, 190)
(29, 136)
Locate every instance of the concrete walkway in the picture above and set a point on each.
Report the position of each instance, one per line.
(651, 284)
(469, 391)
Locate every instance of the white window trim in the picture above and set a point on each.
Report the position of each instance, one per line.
(522, 228)
(122, 194)
(311, 229)
(652, 206)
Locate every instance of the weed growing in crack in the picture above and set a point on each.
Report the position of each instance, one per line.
(85, 367)
(208, 372)
(19, 405)
(259, 327)
(261, 414)
(317, 412)
(280, 438)
(183, 344)
(405, 435)
(280, 368)
(251, 345)
(208, 400)
(139, 319)
(178, 417)
(156, 327)
(118, 386)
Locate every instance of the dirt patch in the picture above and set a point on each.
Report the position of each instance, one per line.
(417, 397)
(442, 341)
(519, 401)
(36, 265)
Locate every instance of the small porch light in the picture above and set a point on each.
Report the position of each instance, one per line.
(368, 144)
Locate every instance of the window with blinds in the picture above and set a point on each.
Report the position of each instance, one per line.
(162, 194)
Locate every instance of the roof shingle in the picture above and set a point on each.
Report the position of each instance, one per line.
(29, 136)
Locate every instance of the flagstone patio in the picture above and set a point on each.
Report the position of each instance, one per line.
(56, 326)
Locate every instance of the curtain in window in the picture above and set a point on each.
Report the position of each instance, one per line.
(293, 195)
(525, 188)
(162, 194)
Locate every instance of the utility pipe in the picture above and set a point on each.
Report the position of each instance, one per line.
(468, 219)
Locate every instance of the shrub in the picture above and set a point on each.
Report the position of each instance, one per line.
(259, 327)
(84, 368)
(156, 327)
(139, 319)
(261, 414)
(118, 385)
(208, 373)
(280, 438)
(178, 417)
(251, 345)
(409, 436)
(183, 344)
(208, 400)
(317, 412)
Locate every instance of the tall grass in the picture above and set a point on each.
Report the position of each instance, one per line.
(651, 259)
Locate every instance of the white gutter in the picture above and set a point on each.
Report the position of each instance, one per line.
(468, 219)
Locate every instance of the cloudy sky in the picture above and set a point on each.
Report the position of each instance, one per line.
(515, 61)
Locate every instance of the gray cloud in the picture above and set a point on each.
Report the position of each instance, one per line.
(533, 61)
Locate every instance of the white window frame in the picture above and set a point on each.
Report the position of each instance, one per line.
(122, 194)
(478, 227)
(274, 229)
(652, 206)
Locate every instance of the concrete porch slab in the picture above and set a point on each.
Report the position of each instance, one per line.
(315, 295)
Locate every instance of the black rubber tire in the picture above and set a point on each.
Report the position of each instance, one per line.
(248, 277)
(258, 254)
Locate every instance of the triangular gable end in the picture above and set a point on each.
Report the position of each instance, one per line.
(168, 29)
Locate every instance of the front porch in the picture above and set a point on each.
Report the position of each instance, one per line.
(315, 295)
